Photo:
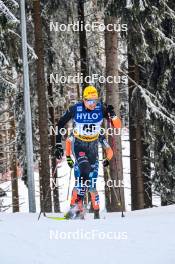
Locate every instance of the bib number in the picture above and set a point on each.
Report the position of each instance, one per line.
(89, 127)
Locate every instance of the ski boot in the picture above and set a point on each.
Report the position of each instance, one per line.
(80, 209)
(96, 214)
(95, 203)
(76, 211)
(71, 213)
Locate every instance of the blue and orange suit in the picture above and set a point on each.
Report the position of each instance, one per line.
(83, 144)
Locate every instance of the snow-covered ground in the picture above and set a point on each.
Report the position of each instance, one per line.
(145, 236)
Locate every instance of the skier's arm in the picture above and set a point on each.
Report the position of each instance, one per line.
(68, 147)
(107, 148)
(70, 162)
(68, 115)
(108, 112)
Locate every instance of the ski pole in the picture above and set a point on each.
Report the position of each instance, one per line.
(44, 202)
(115, 193)
(69, 183)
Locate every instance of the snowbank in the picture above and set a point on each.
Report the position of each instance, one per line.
(145, 236)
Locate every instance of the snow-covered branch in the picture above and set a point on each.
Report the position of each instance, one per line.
(34, 56)
(152, 107)
(15, 4)
(4, 111)
(156, 110)
(7, 82)
(169, 12)
(162, 36)
(9, 15)
(3, 59)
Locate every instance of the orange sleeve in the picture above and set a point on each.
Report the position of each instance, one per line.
(116, 122)
(68, 147)
(109, 153)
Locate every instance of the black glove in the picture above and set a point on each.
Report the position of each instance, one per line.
(110, 111)
(59, 151)
(70, 162)
(105, 163)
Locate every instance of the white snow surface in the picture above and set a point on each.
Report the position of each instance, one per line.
(145, 236)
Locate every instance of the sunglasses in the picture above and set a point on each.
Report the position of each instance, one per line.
(91, 101)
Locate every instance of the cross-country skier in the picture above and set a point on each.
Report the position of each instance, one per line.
(87, 119)
(81, 185)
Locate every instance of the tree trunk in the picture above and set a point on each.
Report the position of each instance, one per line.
(56, 203)
(14, 179)
(136, 132)
(13, 167)
(139, 171)
(83, 43)
(112, 97)
(49, 53)
(147, 176)
(44, 171)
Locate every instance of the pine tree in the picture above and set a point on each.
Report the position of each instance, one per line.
(112, 97)
(83, 42)
(150, 45)
(44, 169)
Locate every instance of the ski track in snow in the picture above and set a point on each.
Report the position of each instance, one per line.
(150, 239)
